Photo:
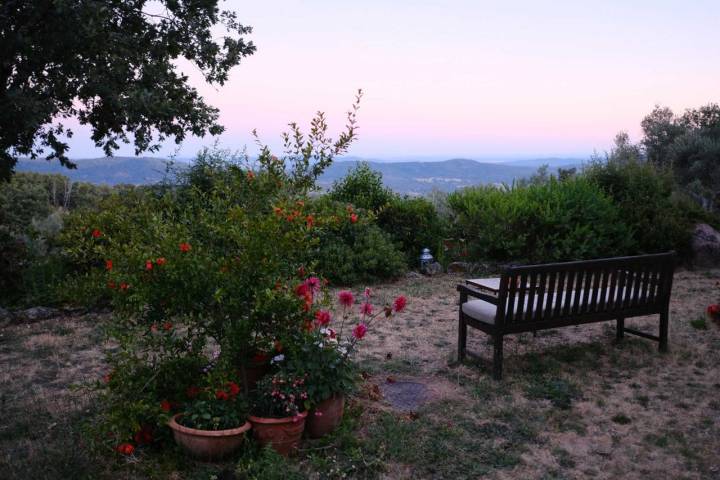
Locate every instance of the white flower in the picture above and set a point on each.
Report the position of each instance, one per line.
(278, 358)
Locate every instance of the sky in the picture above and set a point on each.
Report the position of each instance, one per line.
(475, 79)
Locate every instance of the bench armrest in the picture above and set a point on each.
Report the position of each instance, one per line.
(466, 291)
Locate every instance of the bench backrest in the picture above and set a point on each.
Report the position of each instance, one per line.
(584, 291)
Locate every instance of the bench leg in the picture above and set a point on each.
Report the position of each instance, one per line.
(462, 338)
(620, 330)
(664, 320)
(497, 356)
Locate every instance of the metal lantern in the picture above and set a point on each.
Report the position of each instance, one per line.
(426, 259)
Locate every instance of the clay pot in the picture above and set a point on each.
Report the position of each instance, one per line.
(325, 416)
(282, 434)
(208, 444)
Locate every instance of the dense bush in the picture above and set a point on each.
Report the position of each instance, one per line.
(555, 221)
(363, 188)
(414, 223)
(352, 248)
(657, 217)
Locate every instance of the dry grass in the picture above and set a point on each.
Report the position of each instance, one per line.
(574, 403)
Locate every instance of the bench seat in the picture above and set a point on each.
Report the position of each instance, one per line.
(485, 312)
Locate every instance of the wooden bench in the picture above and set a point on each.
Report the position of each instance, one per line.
(538, 297)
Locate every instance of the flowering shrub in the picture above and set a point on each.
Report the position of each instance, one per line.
(280, 395)
(324, 352)
(202, 281)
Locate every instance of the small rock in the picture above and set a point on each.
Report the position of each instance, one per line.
(413, 274)
(434, 268)
(705, 246)
(35, 314)
(6, 317)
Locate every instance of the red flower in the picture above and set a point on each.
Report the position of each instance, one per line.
(713, 309)
(302, 290)
(124, 286)
(309, 221)
(148, 265)
(399, 304)
(346, 298)
(234, 388)
(278, 211)
(278, 346)
(125, 448)
(250, 175)
(144, 435)
(366, 308)
(107, 377)
(301, 271)
(322, 317)
(167, 326)
(185, 247)
(192, 392)
(111, 285)
(222, 395)
(165, 406)
(359, 331)
(353, 218)
(96, 233)
(161, 261)
(108, 264)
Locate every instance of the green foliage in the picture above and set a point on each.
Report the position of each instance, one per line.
(125, 87)
(328, 370)
(266, 464)
(353, 251)
(657, 219)
(414, 223)
(215, 408)
(689, 145)
(363, 188)
(556, 221)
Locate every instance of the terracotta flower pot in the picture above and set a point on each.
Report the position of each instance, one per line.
(325, 416)
(208, 444)
(282, 434)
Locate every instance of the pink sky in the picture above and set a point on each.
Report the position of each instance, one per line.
(466, 78)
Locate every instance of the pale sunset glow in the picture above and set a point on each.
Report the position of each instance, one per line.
(478, 79)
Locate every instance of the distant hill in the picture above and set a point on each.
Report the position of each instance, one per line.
(409, 177)
(110, 170)
(417, 178)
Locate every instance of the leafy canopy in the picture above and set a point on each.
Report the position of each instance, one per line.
(112, 65)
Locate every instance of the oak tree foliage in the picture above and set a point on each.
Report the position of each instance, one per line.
(112, 65)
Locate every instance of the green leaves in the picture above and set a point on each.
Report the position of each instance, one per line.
(111, 65)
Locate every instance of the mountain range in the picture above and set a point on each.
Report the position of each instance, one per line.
(407, 177)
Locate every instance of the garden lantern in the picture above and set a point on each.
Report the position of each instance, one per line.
(426, 259)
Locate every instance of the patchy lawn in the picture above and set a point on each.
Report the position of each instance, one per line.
(574, 404)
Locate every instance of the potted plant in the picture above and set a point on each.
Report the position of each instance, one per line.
(325, 352)
(278, 411)
(213, 424)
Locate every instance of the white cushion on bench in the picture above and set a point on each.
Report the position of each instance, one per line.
(485, 311)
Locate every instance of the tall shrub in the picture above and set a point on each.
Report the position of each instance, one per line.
(558, 220)
(657, 217)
